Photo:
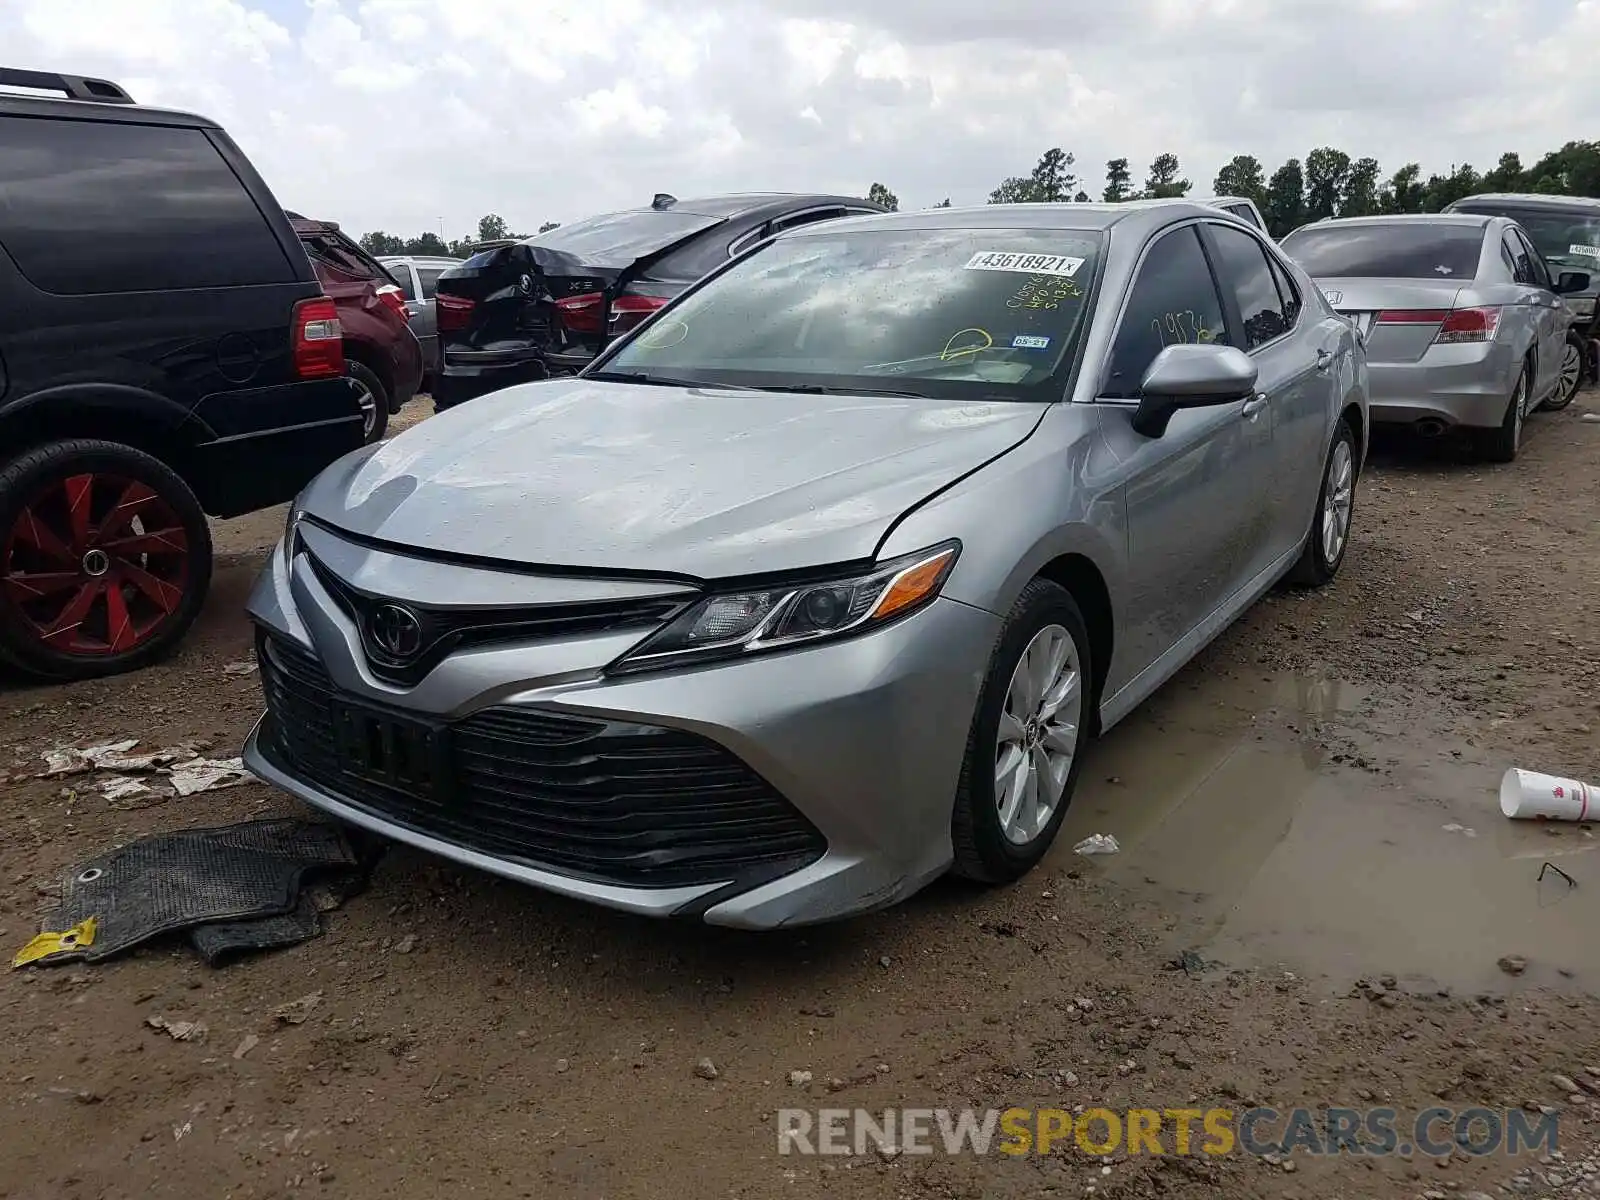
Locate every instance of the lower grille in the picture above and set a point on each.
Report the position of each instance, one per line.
(610, 801)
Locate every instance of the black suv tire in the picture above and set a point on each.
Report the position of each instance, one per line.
(105, 559)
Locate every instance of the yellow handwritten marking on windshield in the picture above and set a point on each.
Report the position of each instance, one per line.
(951, 350)
(1176, 328)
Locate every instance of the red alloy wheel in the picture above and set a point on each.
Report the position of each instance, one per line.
(96, 564)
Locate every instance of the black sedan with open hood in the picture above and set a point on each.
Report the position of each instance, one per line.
(545, 306)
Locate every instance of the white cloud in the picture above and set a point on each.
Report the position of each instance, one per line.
(396, 113)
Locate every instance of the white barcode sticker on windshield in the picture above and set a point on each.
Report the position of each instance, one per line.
(1027, 264)
(1586, 251)
(1030, 341)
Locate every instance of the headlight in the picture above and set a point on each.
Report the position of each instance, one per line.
(291, 524)
(733, 624)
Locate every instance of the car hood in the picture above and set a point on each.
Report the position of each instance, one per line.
(704, 482)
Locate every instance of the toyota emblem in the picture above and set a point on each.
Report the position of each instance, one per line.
(396, 631)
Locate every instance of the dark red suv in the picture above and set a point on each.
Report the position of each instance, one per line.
(382, 355)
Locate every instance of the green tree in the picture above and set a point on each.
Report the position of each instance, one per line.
(1243, 176)
(1573, 170)
(492, 228)
(945, 203)
(379, 243)
(1163, 182)
(1327, 170)
(1051, 182)
(430, 244)
(1080, 197)
(549, 225)
(878, 194)
(1286, 200)
(1441, 190)
(1508, 176)
(1360, 198)
(1119, 183)
(1403, 192)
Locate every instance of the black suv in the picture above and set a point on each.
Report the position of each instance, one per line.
(522, 311)
(165, 352)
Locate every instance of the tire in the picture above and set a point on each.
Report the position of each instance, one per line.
(1322, 555)
(374, 400)
(1500, 445)
(1571, 375)
(1044, 613)
(90, 599)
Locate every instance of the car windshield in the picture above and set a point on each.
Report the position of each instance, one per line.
(1401, 250)
(935, 312)
(1565, 239)
(623, 237)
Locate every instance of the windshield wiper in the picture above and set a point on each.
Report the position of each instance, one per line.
(818, 389)
(646, 377)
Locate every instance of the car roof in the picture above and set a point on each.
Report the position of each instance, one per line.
(1478, 220)
(741, 204)
(1140, 217)
(418, 258)
(1531, 200)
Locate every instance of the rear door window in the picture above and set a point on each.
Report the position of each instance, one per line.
(95, 207)
(428, 277)
(1400, 250)
(1173, 300)
(1288, 291)
(1536, 263)
(402, 276)
(620, 239)
(1242, 268)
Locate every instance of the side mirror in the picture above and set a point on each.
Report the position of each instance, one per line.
(1569, 282)
(1191, 376)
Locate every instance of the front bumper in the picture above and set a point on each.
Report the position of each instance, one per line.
(864, 738)
(1466, 384)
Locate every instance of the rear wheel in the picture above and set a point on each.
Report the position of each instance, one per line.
(374, 400)
(1571, 374)
(105, 559)
(1025, 748)
(1329, 536)
(1501, 445)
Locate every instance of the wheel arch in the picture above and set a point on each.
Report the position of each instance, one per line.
(375, 360)
(160, 427)
(1079, 575)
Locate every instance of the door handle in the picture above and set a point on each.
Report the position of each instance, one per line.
(1253, 406)
(1324, 359)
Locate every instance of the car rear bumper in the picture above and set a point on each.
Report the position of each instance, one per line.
(861, 740)
(466, 375)
(258, 447)
(1468, 385)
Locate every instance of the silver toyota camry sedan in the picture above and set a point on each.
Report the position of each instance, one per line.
(1463, 320)
(820, 583)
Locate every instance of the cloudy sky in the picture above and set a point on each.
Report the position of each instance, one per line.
(408, 115)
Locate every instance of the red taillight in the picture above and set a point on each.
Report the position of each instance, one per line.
(394, 300)
(1455, 324)
(583, 314)
(453, 313)
(1470, 325)
(628, 311)
(318, 339)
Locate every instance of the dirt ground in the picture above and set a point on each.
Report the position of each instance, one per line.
(1308, 811)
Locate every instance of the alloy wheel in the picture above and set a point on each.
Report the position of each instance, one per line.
(95, 564)
(369, 406)
(1571, 373)
(1038, 734)
(1339, 496)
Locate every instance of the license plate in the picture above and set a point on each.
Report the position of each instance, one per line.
(398, 752)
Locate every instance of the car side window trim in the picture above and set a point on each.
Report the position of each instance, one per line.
(1541, 272)
(1126, 299)
(1230, 302)
(1289, 295)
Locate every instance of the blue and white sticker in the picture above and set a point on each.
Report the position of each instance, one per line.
(1027, 264)
(1029, 341)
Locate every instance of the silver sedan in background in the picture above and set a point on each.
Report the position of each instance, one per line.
(820, 583)
(1464, 324)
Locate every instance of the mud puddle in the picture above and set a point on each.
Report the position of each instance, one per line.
(1285, 825)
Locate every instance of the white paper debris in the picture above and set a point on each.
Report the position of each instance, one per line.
(1097, 843)
(121, 787)
(239, 668)
(208, 775)
(113, 756)
(179, 1031)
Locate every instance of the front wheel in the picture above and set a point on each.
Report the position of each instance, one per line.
(1571, 374)
(105, 559)
(1025, 748)
(1329, 535)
